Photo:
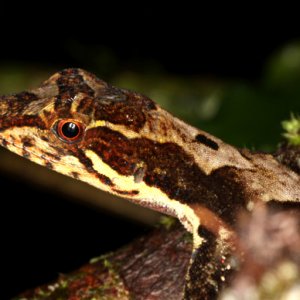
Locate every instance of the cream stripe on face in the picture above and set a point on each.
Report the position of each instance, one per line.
(42, 154)
(147, 194)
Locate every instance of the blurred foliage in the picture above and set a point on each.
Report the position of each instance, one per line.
(246, 114)
(283, 71)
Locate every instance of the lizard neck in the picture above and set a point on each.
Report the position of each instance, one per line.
(177, 169)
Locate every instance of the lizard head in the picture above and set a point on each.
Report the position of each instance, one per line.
(75, 123)
(117, 140)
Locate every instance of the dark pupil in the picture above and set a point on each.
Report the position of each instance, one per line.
(70, 130)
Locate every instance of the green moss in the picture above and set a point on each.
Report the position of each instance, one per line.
(292, 130)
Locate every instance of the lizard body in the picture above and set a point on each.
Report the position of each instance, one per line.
(124, 143)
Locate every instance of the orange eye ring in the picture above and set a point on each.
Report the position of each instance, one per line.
(69, 130)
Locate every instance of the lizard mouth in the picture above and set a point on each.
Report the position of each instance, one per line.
(44, 159)
(68, 165)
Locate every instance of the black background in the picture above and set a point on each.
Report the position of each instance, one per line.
(212, 41)
(42, 234)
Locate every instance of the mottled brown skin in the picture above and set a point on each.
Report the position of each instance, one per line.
(131, 147)
(170, 169)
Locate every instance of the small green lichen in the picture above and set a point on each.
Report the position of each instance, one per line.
(107, 264)
(43, 292)
(292, 130)
(63, 283)
(167, 222)
(99, 258)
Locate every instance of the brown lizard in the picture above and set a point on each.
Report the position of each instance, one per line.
(124, 143)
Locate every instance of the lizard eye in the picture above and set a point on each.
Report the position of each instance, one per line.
(69, 130)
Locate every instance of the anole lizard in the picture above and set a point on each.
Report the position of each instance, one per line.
(124, 143)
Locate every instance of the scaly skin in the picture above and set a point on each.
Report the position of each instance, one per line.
(129, 146)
